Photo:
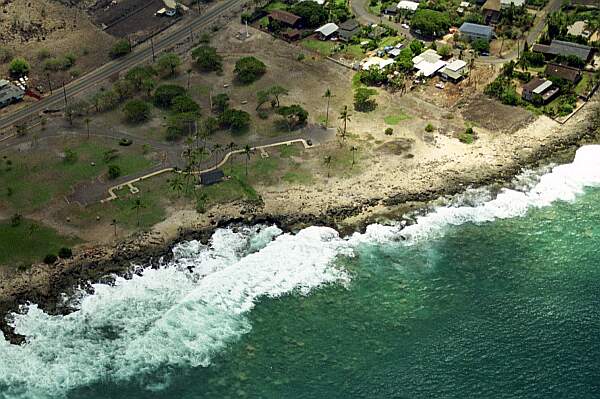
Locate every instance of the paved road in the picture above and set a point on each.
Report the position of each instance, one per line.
(168, 39)
(361, 11)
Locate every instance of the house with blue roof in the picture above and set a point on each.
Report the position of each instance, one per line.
(470, 31)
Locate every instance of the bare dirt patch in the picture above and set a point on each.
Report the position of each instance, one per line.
(495, 116)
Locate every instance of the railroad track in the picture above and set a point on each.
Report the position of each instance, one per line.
(141, 53)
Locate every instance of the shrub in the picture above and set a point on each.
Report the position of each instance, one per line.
(16, 220)
(185, 104)
(480, 46)
(70, 156)
(50, 259)
(136, 111)
(220, 102)
(65, 253)
(165, 94)
(114, 171)
(207, 59)
(120, 48)
(389, 131)
(18, 67)
(429, 128)
(234, 119)
(467, 136)
(301, 57)
(167, 63)
(363, 101)
(249, 69)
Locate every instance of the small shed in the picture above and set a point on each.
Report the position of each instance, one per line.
(472, 31)
(327, 31)
(212, 177)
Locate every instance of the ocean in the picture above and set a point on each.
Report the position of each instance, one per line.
(486, 296)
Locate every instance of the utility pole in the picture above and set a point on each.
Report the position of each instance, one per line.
(65, 93)
(153, 54)
(49, 82)
(191, 36)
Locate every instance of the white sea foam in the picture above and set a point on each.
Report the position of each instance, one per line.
(173, 317)
(166, 316)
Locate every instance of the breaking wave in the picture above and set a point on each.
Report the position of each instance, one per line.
(185, 312)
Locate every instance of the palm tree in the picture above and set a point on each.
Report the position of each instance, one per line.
(328, 96)
(189, 72)
(345, 116)
(471, 67)
(248, 152)
(217, 148)
(327, 161)
(114, 224)
(87, 124)
(176, 184)
(353, 149)
(231, 147)
(137, 206)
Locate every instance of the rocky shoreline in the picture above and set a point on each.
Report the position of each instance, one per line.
(46, 285)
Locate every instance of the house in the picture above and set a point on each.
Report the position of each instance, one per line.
(454, 71)
(212, 177)
(428, 63)
(491, 11)
(406, 5)
(286, 19)
(470, 31)
(564, 72)
(327, 31)
(348, 29)
(391, 10)
(9, 93)
(292, 35)
(565, 49)
(394, 52)
(539, 91)
(378, 62)
(508, 3)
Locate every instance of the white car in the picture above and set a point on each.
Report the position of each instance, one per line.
(405, 26)
(440, 85)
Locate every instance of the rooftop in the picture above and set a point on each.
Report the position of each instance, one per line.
(577, 28)
(349, 24)
(211, 177)
(456, 65)
(517, 3)
(284, 16)
(381, 63)
(559, 47)
(476, 29)
(408, 5)
(428, 62)
(493, 5)
(429, 55)
(328, 29)
(563, 72)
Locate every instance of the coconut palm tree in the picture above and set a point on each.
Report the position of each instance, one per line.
(87, 125)
(248, 152)
(327, 161)
(328, 96)
(176, 184)
(231, 147)
(345, 117)
(137, 206)
(217, 149)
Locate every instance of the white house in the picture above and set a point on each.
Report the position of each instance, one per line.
(428, 63)
(378, 62)
(454, 71)
(327, 31)
(408, 5)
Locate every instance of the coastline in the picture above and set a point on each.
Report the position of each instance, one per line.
(347, 206)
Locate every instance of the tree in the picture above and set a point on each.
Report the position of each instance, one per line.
(234, 119)
(327, 161)
(87, 125)
(430, 22)
(185, 104)
(416, 46)
(124, 89)
(278, 91)
(444, 51)
(363, 101)
(207, 58)
(313, 14)
(120, 48)
(137, 206)
(294, 115)
(345, 118)
(389, 131)
(176, 184)
(248, 153)
(165, 94)
(147, 85)
(220, 102)
(137, 111)
(480, 46)
(65, 253)
(75, 109)
(168, 63)
(262, 97)
(328, 96)
(18, 67)
(114, 171)
(138, 74)
(249, 69)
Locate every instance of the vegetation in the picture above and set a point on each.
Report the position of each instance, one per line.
(312, 13)
(114, 171)
(120, 48)
(249, 69)
(164, 95)
(363, 100)
(234, 119)
(430, 22)
(481, 46)
(207, 59)
(137, 111)
(467, 136)
(294, 115)
(167, 64)
(18, 67)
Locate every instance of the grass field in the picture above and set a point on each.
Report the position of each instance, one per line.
(396, 118)
(31, 180)
(322, 47)
(29, 242)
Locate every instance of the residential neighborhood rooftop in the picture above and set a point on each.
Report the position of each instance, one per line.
(408, 5)
(563, 72)
(493, 5)
(284, 16)
(476, 29)
(559, 47)
(328, 29)
(516, 3)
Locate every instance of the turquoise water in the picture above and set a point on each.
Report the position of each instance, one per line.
(505, 308)
(509, 309)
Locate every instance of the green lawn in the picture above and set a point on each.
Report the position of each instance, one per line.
(29, 242)
(276, 5)
(396, 118)
(390, 41)
(322, 47)
(355, 51)
(31, 180)
(582, 86)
